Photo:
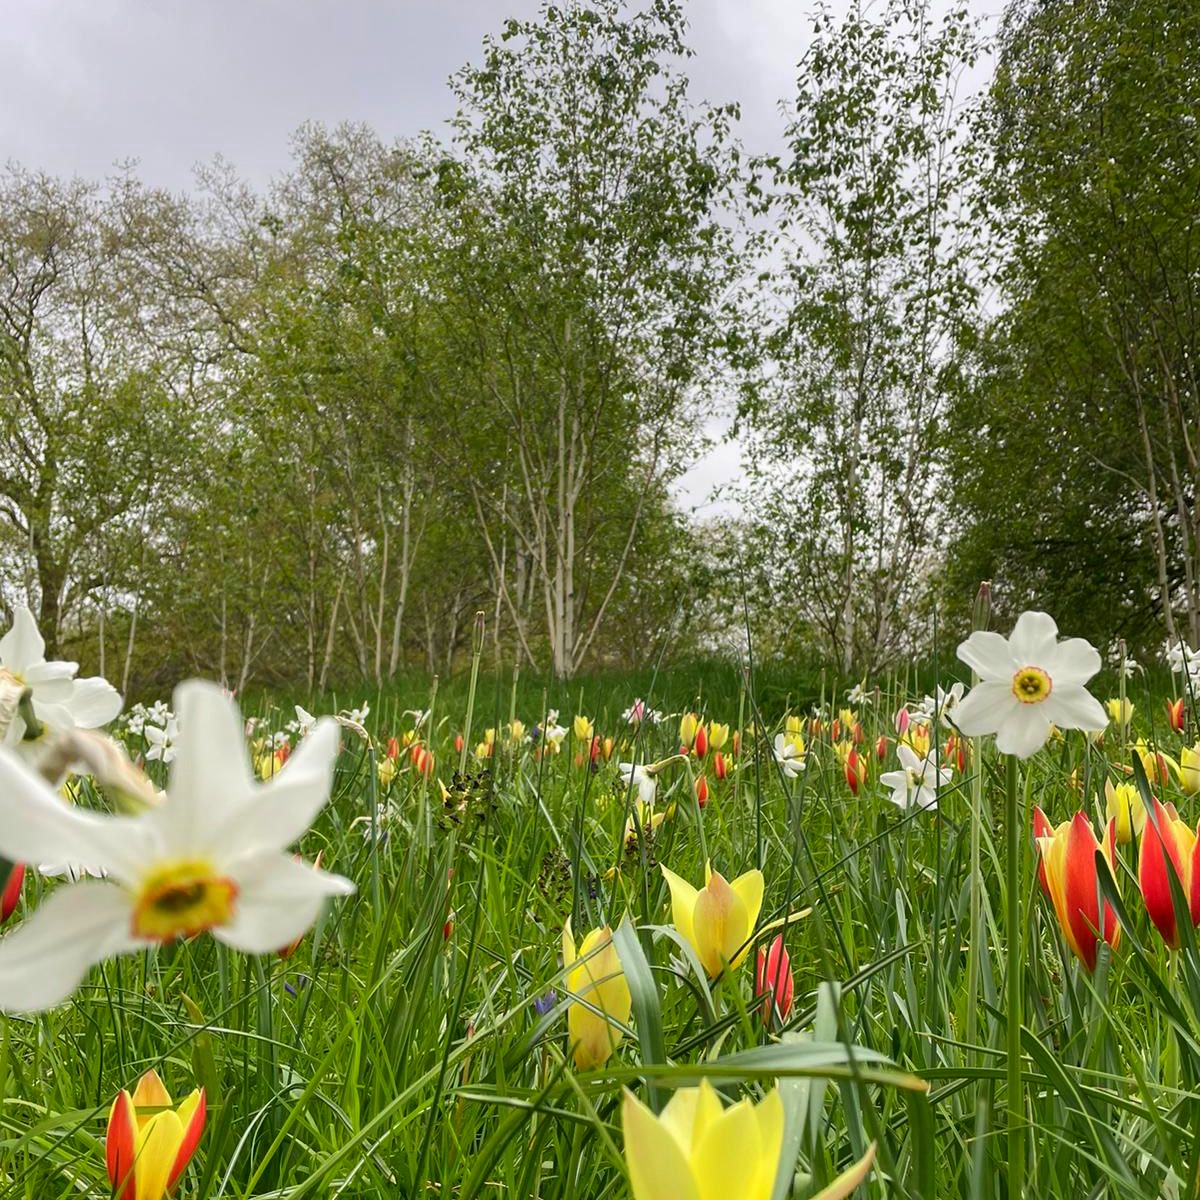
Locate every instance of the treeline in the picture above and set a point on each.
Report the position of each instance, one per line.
(304, 435)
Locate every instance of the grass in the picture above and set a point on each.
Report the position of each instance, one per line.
(385, 1058)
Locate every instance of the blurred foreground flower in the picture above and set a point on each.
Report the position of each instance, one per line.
(1068, 860)
(718, 919)
(1028, 683)
(148, 1151)
(595, 981)
(211, 857)
(1187, 770)
(10, 893)
(699, 1150)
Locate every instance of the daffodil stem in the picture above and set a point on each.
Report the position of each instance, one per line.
(1014, 830)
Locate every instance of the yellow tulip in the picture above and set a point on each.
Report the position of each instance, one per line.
(699, 1150)
(917, 739)
(386, 771)
(1119, 713)
(718, 735)
(516, 729)
(1188, 769)
(1123, 803)
(583, 729)
(594, 977)
(847, 717)
(794, 725)
(718, 919)
(687, 728)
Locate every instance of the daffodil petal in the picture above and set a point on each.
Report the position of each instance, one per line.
(1024, 731)
(988, 655)
(1034, 639)
(984, 708)
(44, 959)
(22, 646)
(278, 900)
(1073, 707)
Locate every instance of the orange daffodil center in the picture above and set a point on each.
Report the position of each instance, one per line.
(1031, 685)
(182, 899)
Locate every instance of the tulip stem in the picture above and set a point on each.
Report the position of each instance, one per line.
(1014, 829)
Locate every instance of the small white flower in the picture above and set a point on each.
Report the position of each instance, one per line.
(359, 715)
(858, 694)
(305, 722)
(60, 701)
(916, 785)
(162, 741)
(789, 756)
(159, 714)
(1029, 682)
(937, 707)
(636, 775)
(212, 857)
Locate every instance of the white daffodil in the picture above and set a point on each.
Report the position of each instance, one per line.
(60, 701)
(211, 857)
(162, 741)
(858, 694)
(789, 754)
(636, 775)
(1029, 682)
(938, 706)
(916, 784)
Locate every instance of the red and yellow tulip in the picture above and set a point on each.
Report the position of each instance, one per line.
(1175, 714)
(718, 919)
(1068, 874)
(1164, 838)
(773, 980)
(150, 1142)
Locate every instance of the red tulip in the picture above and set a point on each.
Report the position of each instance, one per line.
(701, 790)
(881, 747)
(773, 980)
(856, 770)
(11, 895)
(1164, 837)
(700, 745)
(393, 748)
(720, 766)
(1175, 714)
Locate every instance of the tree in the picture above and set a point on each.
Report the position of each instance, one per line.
(873, 296)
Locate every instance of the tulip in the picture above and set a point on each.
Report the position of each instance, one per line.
(720, 766)
(902, 722)
(773, 980)
(856, 770)
(856, 733)
(1175, 714)
(1123, 804)
(1188, 769)
(1168, 837)
(701, 790)
(881, 747)
(701, 743)
(699, 1150)
(393, 748)
(735, 744)
(718, 735)
(385, 769)
(608, 748)
(147, 1152)
(1120, 712)
(717, 920)
(956, 752)
(794, 725)
(458, 743)
(1154, 762)
(594, 978)
(1069, 858)
(516, 730)
(917, 738)
(687, 729)
(423, 761)
(1042, 829)
(583, 729)
(10, 897)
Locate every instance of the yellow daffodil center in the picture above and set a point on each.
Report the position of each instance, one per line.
(1031, 685)
(182, 898)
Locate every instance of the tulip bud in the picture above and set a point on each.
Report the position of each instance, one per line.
(735, 746)
(856, 733)
(773, 981)
(981, 611)
(10, 897)
(718, 735)
(881, 747)
(902, 722)
(700, 745)
(701, 790)
(1175, 714)
(856, 770)
(720, 767)
(608, 748)
(687, 729)
(458, 743)
(393, 749)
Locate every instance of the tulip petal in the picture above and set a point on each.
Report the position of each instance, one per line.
(728, 1159)
(658, 1169)
(683, 904)
(150, 1092)
(158, 1143)
(192, 1113)
(749, 887)
(44, 959)
(37, 826)
(844, 1185)
(721, 924)
(119, 1142)
(770, 1115)
(278, 900)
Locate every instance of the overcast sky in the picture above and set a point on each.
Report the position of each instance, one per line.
(87, 84)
